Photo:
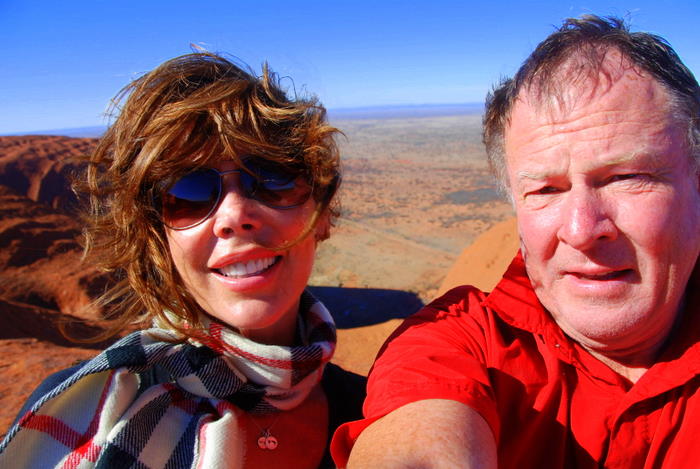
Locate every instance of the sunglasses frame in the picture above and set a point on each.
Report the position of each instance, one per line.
(220, 192)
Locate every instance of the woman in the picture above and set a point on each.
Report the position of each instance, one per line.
(208, 196)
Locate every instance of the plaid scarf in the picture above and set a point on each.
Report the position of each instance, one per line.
(115, 412)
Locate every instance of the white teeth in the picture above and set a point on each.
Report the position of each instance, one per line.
(247, 269)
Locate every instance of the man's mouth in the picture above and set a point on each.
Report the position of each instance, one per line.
(249, 268)
(614, 275)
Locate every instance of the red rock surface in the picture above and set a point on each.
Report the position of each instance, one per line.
(483, 262)
(42, 281)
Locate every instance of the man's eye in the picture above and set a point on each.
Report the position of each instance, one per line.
(545, 190)
(635, 179)
(624, 177)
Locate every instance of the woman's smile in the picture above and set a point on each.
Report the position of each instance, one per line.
(249, 268)
(252, 275)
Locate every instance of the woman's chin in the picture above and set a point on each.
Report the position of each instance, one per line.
(261, 321)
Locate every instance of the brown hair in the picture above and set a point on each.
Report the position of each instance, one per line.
(588, 39)
(188, 112)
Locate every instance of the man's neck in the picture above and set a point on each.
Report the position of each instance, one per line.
(632, 372)
(632, 365)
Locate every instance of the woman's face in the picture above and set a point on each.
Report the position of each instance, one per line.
(226, 266)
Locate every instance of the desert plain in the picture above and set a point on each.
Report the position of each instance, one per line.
(420, 213)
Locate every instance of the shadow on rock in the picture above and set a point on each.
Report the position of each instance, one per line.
(356, 307)
(19, 320)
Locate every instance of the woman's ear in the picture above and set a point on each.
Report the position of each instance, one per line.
(322, 230)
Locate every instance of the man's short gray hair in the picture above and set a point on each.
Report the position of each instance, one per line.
(589, 38)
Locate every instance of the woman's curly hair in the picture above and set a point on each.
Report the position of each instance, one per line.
(189, 112)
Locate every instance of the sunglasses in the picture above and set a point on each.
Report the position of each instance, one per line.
(194, 197)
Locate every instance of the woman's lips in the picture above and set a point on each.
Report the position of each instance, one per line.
(250, 275)
(248, 268)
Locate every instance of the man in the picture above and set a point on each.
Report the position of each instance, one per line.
(587, 353)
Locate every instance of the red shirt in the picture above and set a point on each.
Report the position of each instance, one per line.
(548, 401)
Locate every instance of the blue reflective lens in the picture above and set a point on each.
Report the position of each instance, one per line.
(193, 198)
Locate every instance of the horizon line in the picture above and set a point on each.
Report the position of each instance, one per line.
(386, 111)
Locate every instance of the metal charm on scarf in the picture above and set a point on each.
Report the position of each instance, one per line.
(266, 440)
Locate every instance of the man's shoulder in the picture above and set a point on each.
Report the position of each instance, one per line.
(455, 302)
(460, 305)
(456, 327)
(458, 295)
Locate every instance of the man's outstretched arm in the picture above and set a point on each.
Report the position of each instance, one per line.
(434, 433)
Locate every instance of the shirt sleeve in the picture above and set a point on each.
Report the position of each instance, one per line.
(439, 353)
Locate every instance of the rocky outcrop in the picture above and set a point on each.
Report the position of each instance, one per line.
(42, 280)
(483, 262)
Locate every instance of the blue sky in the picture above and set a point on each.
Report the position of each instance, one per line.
(63, 61)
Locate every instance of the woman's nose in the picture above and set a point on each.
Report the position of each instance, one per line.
(235, 213)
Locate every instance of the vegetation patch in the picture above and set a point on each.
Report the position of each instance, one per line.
(474, 196)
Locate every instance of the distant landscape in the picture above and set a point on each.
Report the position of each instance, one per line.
(416, 191)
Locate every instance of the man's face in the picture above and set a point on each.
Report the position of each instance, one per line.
(608, 209)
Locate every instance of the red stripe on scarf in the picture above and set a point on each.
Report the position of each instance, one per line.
(55, 428)
(81, 444)
(89, 451)
(214, 342)
(179, 400)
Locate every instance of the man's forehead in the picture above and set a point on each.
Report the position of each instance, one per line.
(603, 111)
(580, 79)
(615, 86)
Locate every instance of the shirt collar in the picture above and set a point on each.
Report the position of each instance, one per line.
(515, 302)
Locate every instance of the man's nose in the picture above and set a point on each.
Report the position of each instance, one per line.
(235, 213)
(585, 219)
